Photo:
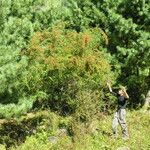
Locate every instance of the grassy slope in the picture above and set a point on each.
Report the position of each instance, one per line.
(138, 124)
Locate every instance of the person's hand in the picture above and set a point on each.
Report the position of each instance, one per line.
(124, 89)
(108, 83)
(109, 86)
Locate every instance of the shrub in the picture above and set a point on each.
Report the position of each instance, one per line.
(71, 68)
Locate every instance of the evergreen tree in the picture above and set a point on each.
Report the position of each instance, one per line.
(127, 27)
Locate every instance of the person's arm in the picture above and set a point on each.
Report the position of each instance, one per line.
(110, 89)
(109, 86)
(125, 94)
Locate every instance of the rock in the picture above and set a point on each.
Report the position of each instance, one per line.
(123, 148)
(62, 132)
(2, 147)
(147, 101)
(53, 139)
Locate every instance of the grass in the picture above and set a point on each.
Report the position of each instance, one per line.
(139, 130)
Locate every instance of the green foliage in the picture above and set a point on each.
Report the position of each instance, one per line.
(129, 37)
(58, 66)
(81, 14)
(20, 19)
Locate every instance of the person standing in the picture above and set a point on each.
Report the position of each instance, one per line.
(120, 114)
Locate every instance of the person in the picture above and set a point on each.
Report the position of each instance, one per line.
(120, 114)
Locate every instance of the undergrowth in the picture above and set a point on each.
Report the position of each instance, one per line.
(99, 139)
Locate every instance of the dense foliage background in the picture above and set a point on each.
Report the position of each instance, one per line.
(124, 34)
(58, 55)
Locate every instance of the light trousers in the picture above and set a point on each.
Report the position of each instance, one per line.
(119, 118)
